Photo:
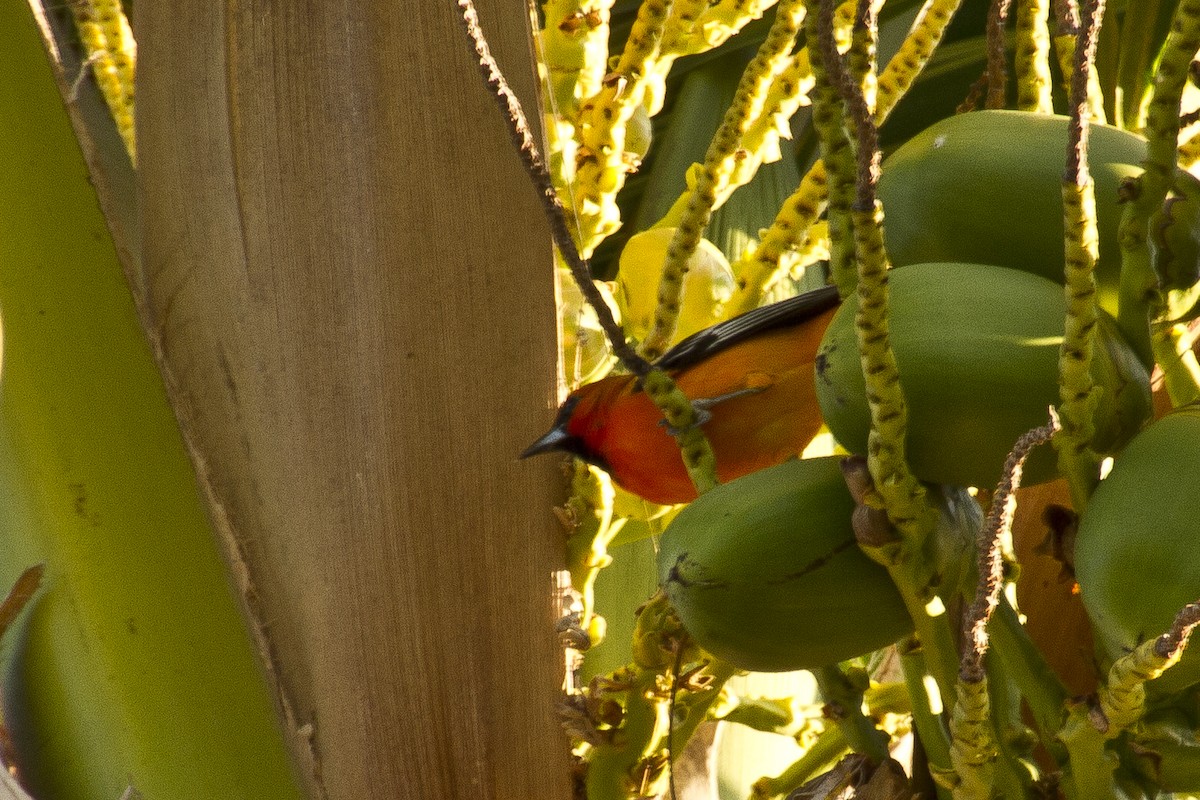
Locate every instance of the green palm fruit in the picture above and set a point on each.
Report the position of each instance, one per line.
(985, 188)
(765, 572)
(708, 284)
(977, 348)
(1137, 542)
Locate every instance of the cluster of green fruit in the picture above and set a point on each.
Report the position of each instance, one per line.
(765, 571)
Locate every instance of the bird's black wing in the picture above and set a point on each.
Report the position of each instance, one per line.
(793, 311)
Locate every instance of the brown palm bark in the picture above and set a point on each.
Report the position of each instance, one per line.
(350, 291)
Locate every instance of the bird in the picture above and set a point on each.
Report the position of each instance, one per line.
(752, 380)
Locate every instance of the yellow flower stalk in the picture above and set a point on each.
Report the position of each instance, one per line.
(913, 55)
(680, 415)
(573, 57)
(714, 176)
(1123, 696)
(829, 120)
(760, 267)
(1181, 370)
(1079, 395)
(972, 748)
(678, 39)
(112, 53)
(602, 166)
(725, 18)
(788, 91)
(902, 492)
(634, 763)
(1032, 56)
(1077, 390)
(694, 27)
(1138, 281)
(574, 50)
(1064, 49)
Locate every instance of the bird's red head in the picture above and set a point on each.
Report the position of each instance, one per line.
(579, 427)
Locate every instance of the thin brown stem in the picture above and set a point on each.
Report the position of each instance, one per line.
(1176, 638)
(997, 57)
(991, 564)
(862, 121)
(535, 165)
(974, 95)
(1066, 17)
(1085, 52)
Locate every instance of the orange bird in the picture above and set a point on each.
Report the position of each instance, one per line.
(752, 378)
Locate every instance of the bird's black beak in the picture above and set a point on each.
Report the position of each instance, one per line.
(556, 440)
